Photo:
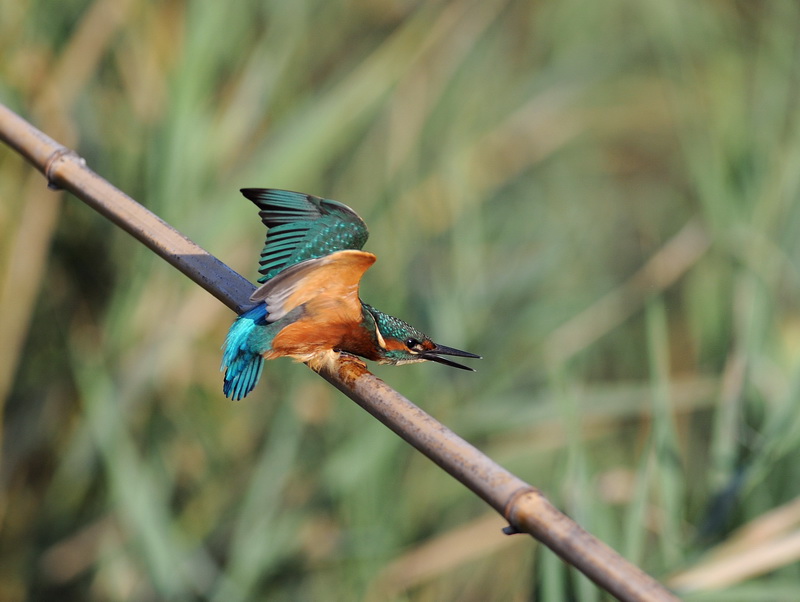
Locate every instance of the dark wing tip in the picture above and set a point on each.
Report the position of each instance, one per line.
(252, 192)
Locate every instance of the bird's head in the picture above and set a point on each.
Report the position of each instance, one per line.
(401, 343)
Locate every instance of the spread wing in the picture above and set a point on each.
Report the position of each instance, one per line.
(301, 227)
(328, 283)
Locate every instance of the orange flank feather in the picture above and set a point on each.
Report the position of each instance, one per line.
(326, 289)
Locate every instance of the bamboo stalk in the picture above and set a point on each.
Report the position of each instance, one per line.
(525, 507)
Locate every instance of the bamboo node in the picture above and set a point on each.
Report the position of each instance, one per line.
(53, 160)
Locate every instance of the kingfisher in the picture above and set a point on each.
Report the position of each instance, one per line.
(308, 306)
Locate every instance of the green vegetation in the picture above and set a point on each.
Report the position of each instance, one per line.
(600, 198)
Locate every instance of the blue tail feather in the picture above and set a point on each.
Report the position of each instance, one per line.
(242, 359)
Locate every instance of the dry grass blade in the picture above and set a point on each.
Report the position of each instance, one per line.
(663, 269)
(21, 277)
(767, 543)
(441, 555)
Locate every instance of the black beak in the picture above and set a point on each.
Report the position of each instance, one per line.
(435, 354)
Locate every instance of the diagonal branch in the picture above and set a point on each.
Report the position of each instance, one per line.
(524, 506)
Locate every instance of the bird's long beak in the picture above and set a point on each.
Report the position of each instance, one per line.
(435, 354)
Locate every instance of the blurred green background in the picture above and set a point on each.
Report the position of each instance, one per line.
(600, 198)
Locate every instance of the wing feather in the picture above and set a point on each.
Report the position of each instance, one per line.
(303, 226)
(327, 283)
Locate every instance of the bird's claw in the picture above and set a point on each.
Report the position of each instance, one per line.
(352, 359)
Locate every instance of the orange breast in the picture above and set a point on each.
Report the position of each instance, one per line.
(315, 334)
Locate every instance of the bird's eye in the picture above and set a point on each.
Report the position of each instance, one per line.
(412, 343)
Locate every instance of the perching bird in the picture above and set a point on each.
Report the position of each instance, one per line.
(308, 307)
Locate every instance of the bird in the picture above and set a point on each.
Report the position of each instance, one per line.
(308, 305)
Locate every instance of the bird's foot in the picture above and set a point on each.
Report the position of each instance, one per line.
(351, 359)
(332, 360)
(350, 368)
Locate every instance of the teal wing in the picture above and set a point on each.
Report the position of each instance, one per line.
(303, 226)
